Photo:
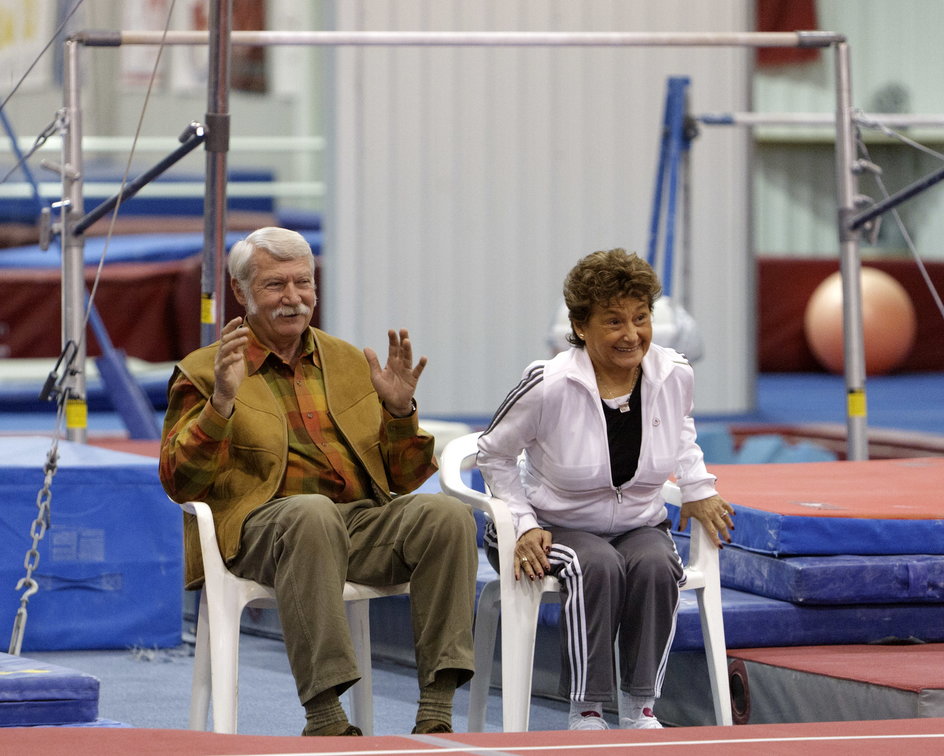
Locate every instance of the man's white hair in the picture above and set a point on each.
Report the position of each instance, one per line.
(281, 243)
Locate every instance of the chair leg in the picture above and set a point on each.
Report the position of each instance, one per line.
(486, 631)
(200, 687)
(519, 627)
(362, 703)
(712, 628)
(224, 613)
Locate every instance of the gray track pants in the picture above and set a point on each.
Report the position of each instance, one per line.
(627, 584)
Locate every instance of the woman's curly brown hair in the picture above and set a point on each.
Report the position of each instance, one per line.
(604, 277)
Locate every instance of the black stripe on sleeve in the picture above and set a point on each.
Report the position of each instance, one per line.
(531, 379)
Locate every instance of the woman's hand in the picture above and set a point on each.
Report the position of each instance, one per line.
(714, 513)
(531, 552)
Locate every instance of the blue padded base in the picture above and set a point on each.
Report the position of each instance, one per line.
(36, 693)
(110, 568)
(752, 621)
(840, 579)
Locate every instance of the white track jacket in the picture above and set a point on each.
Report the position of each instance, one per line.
(546, 454)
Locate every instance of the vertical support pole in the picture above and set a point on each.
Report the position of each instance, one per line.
(684, 276)
(673, 150)
(853, 336)
(73, 246)
(217, 146)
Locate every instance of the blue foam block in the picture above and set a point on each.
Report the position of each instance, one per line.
(781, 535)
(840, 579)
(752, 621)
(36, 693)
(110, 570)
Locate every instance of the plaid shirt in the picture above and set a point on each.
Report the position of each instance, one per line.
(319, 461)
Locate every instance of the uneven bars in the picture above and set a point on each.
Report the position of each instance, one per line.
(469, 39)
(892, 120)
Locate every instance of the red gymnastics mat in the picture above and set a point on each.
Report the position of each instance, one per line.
(914, 668)
(877, 489)
(837, 683)
(869, 738)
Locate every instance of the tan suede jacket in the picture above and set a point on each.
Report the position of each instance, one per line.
(259, 443)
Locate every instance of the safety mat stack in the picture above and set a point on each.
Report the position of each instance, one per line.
(825, 553)
(829, 553)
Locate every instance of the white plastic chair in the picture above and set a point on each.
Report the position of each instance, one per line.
(216, 658)
(518, 602)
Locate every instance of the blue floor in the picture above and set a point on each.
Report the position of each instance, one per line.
(151, 688)
(912, 401)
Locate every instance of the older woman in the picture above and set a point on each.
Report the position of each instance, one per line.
(602, 426)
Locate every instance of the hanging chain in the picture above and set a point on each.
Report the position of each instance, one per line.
(31, 562)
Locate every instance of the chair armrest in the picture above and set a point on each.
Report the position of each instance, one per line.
(459, 454)
(209, 548)
(702, 552)
(200, 510)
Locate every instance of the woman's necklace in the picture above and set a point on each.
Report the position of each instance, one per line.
(613, 393)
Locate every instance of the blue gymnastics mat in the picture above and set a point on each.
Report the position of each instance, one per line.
(752, 621)
(838, 579)
(36, 693)
(110, 569)
(890, 506)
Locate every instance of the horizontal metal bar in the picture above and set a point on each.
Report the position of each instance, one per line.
(122, 144)
(176, 189)
(467, 39)
(892, 120)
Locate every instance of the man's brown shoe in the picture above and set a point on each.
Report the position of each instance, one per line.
(431, 727)
(342, 728)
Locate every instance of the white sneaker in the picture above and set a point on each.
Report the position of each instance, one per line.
(588, 720)
(645, 721)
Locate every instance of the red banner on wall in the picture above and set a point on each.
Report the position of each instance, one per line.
(786, 16)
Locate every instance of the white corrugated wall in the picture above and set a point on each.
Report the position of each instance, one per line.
(467, 181)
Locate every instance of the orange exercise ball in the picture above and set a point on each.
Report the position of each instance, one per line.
(888, 322)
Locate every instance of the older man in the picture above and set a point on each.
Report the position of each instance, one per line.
(306, 450)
